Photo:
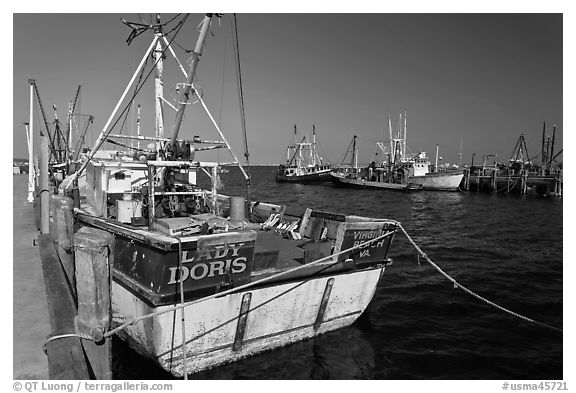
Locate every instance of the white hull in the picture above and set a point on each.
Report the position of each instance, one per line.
(278, 315)
(440, 181)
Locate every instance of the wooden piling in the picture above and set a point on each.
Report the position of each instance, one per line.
(44, 187)
(62, 230)
(493, 181)
(66, 358)
(524, 177)
(93, 251)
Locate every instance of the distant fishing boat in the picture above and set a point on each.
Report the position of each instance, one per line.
(419, 173)
(399, 172)
(417, 166)
(198, 279)
(351, 175)
(303, 163)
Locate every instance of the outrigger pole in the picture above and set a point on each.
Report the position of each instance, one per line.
(185, 95)
(102, 135)
(34, 88)
(207, 110)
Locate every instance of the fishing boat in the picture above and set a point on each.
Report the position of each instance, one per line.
(418, 166)
(402, 171)
(199, 279)
(372, 176)
(303, 163)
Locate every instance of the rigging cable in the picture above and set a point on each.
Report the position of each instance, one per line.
(127, 106)
(133, 96)
(241, 101)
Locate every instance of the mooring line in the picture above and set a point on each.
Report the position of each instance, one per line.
(458, 285)
(61, 336)
(183, 321)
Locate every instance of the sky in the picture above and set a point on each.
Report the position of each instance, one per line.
(476, 80)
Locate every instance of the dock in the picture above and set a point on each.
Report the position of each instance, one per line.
(45, 305)
(521, 174)
(31, 323)
(503, 180)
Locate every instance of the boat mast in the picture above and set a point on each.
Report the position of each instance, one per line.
(552, 147)
(50, 138)
(436, 165)
(70, 145)
(404, 145)
(57, 134)
(138, 127)
(205, 107)
(354, 156)
(82, 137)
(71, 111)
(158, 84)
(288, 153)
(313, 151)
(543, 154)
(185, 94)
(391, 139)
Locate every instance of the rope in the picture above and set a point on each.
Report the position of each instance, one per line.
(60, 336)
(245, 286)
(182, 309)
(458, 285)
(508, 186)
(41, 192)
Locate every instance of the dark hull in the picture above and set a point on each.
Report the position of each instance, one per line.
(308, 178)
(358, 183)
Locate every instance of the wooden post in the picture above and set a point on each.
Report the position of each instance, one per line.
(66, 359)
(62, 230)
(522, 183)
(493, 182)
(93, 250)
(44, 192)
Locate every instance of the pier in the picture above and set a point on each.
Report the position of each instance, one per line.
(522, 174)
(45, 303)
(31, 323)
(504, 180)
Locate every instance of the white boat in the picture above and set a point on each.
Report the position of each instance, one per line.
(417, 167)
(303, 163)
(200, 279)
(418, 170)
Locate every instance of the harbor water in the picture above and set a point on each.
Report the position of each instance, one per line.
(506, 248)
